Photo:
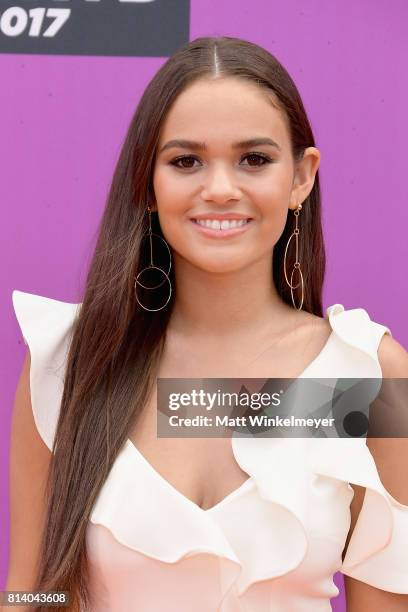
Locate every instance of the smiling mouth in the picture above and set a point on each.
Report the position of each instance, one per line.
(219, 230)
(225, 224)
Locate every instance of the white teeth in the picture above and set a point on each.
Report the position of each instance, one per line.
(225, 224)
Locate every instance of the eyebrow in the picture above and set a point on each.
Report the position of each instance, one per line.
(201, 146)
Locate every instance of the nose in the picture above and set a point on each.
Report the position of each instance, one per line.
(220, 185)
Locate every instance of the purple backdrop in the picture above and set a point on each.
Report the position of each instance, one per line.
(63, 119)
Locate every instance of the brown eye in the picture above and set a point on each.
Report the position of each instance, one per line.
(187, 161)
(256, 157)
(183, 158)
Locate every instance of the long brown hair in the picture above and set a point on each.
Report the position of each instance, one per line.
(116, 346)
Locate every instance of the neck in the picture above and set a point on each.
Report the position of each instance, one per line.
(228, 304)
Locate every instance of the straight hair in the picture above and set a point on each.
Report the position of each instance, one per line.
(116, 346)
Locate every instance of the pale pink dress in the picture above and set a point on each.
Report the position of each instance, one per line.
(274, 543)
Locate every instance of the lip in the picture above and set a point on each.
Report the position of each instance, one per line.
(218, 233)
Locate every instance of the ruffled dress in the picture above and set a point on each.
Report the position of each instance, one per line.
(274, 543)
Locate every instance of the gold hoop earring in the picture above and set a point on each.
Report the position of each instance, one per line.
(151, 266)
(296, 265)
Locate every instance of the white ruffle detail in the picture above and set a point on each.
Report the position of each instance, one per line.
(46, 326)
(136, 519)
(154, 519)
(297, 495)
(354, 330)
(378, 549)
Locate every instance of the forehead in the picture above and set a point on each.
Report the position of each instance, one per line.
(224, 109)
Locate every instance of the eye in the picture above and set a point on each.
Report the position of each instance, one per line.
(183, 158)
(260, 156)
(253, 156)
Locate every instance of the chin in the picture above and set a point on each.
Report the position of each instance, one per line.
(217, 267)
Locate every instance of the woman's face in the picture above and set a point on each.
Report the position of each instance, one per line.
(216, 174)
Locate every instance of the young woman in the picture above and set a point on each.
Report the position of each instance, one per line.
(219, 164)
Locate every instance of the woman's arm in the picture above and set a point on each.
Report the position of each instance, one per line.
(391, 458)
(29, 463)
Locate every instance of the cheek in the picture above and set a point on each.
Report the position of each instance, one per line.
(272, 204)
(167, 182)
(272, 222)
(173, 219)
(280, 181)
(173, 195)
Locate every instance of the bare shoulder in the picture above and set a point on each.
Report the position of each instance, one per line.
(393, 358)
(391, 459)
(315, 321)
(310, 328)
(304, 321)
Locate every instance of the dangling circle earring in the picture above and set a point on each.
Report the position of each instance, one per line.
(151, 266)
(296, 265)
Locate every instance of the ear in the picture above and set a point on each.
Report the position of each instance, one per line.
(153, 206)
(305, 172)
